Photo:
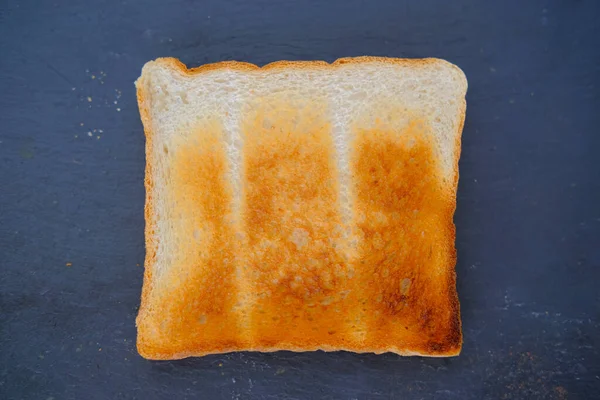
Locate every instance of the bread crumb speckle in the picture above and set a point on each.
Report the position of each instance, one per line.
(90, 134)
(68, 264)
(405, 286)
(89, 99)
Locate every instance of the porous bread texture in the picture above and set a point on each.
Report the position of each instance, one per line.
(180, 100)
(358, 94)
(432, 87)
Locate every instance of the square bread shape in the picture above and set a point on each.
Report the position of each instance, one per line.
(301, 206)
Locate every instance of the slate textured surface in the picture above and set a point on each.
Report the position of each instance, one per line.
(71, 197)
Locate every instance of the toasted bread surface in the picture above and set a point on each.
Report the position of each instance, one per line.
(301, 206)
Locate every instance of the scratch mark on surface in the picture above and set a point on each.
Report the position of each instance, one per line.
(61, 75)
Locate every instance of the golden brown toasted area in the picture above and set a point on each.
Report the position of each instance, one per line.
(285, 269)
(197, 314)
(406, 260)
(291, 212)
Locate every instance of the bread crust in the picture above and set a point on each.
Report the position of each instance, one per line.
(451, 346)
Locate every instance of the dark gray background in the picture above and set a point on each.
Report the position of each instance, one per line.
(528, 218)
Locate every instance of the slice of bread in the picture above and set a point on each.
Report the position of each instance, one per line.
(301, 206)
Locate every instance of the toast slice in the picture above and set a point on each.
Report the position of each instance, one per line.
(301, 206)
